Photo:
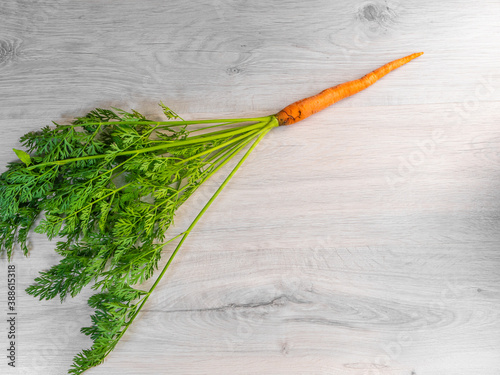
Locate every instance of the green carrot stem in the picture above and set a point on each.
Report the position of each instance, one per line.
(190, 228)
(166, 145)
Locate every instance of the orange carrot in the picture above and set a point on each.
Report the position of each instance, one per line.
(306, 107)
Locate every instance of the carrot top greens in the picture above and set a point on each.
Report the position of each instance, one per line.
(107, 187)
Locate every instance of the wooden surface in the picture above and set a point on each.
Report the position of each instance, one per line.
(363, 241)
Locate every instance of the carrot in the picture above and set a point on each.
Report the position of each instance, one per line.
(306, 107)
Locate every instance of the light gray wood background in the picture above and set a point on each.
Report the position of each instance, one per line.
(362, 241)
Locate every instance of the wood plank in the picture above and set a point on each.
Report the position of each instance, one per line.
(362, 241)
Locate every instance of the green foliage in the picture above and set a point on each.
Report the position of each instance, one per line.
(23, 156)
(115, 309)
(107, 187)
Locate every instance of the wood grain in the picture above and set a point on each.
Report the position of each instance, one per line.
(362, 241)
